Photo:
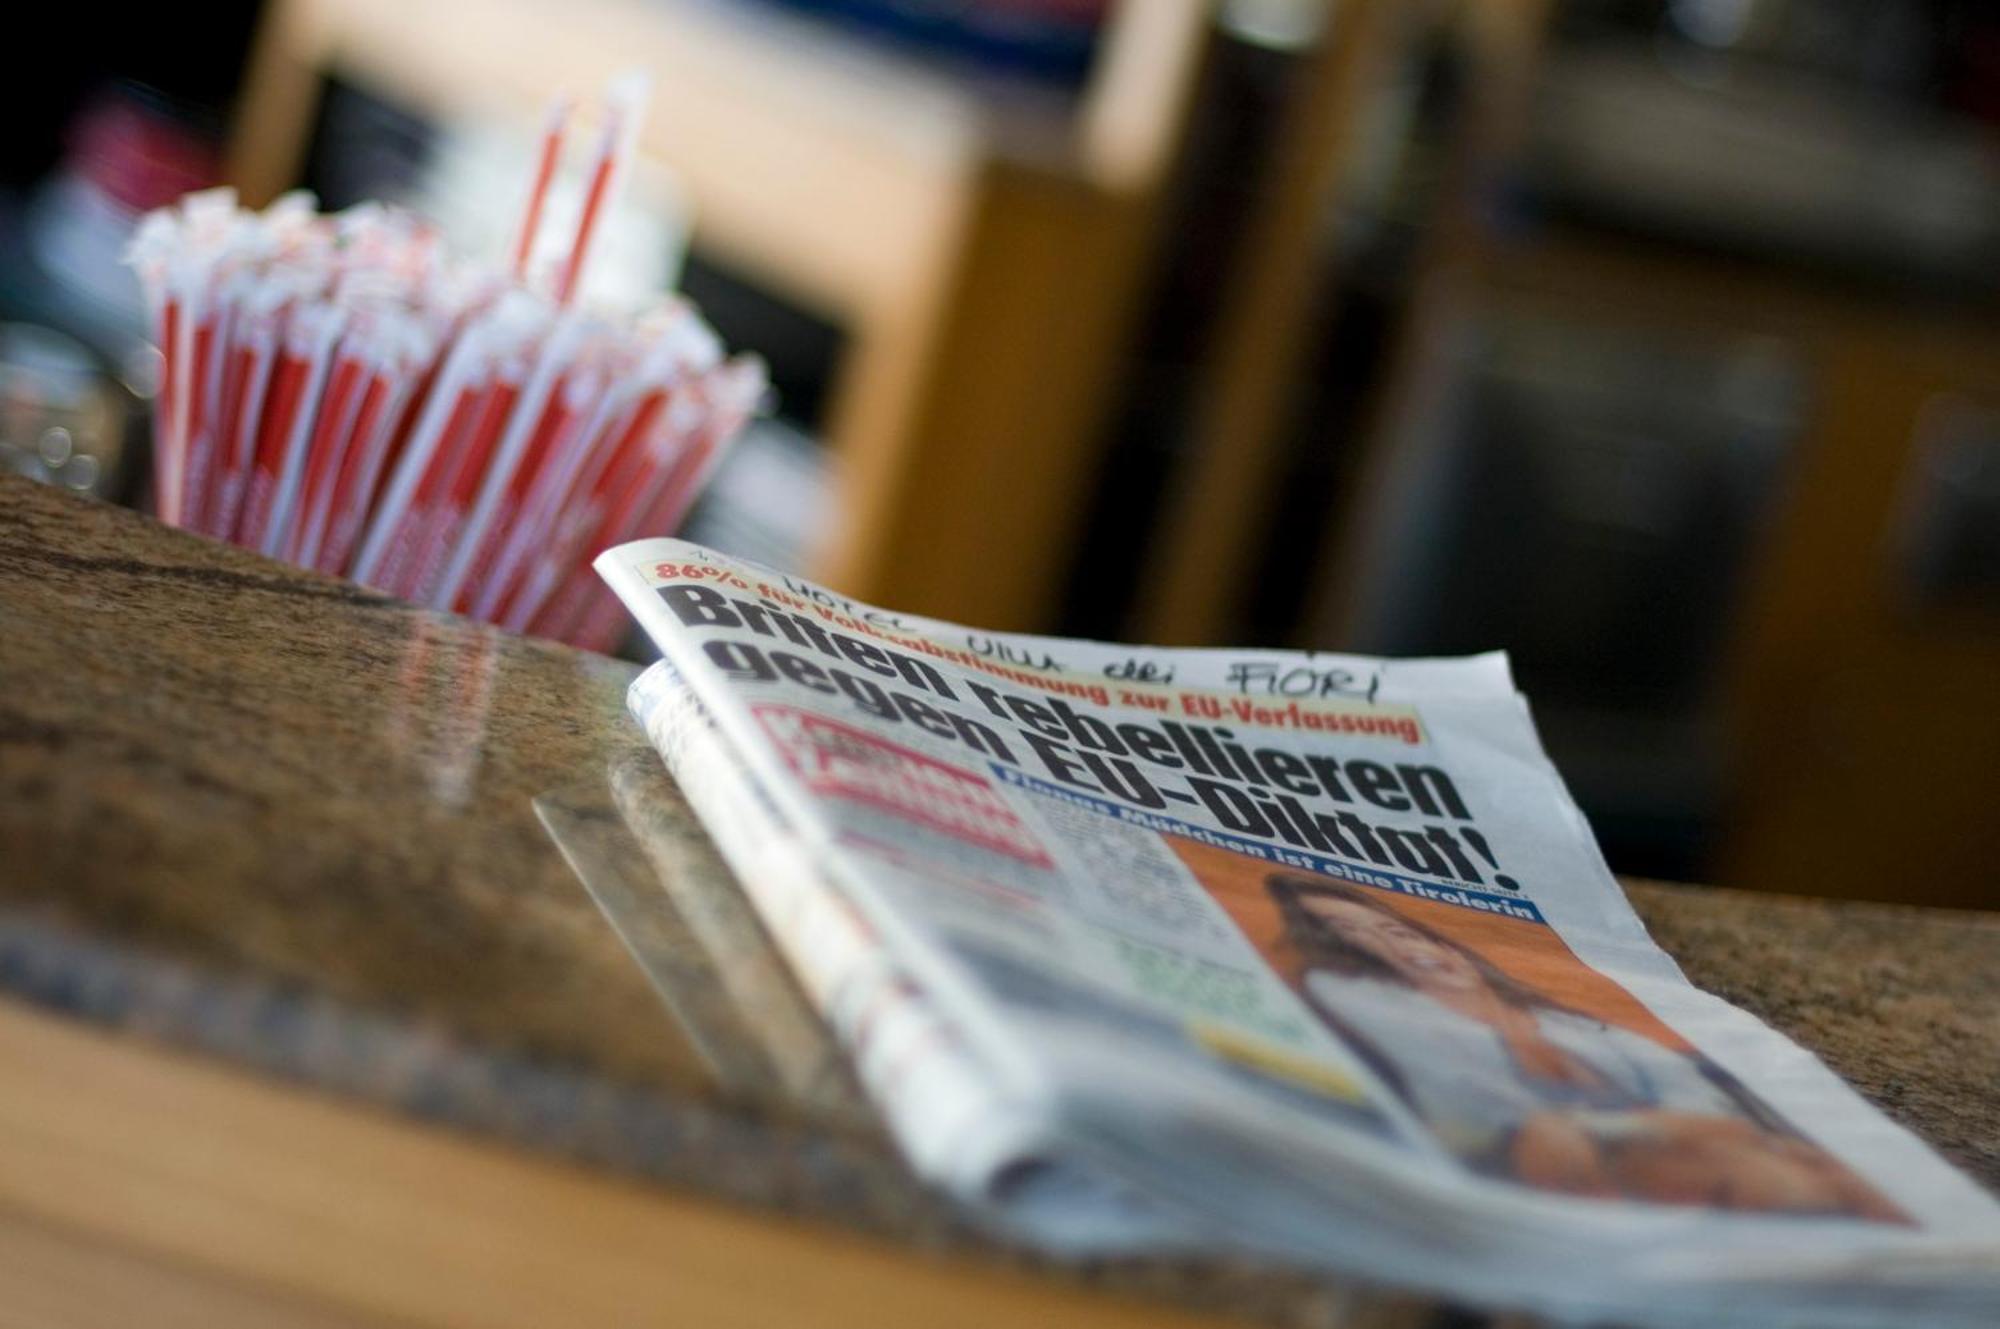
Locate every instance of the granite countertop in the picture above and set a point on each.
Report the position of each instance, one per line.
(272, 817)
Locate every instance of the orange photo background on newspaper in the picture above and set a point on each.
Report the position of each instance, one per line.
(1530, 953)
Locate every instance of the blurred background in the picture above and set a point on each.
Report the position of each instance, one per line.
(1655, 341)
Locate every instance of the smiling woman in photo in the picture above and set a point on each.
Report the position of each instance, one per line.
(1520, 1086)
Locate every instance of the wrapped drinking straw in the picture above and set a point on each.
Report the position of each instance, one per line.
(611, 461)
(304, 364)
(401, 351)
(234, 361)
(675, 476)
(554, 123)
(625, 105)
(450, 411)
(190, 278)
(349, 418)
(209, 323)
(333, 424)
(539, 413)
(342, 392)
(253, 354)
(447, 492)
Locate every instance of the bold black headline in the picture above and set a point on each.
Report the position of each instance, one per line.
(1315, 802)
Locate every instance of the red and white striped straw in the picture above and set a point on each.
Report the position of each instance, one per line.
(555, 124)
(624, 108)
(171, 461)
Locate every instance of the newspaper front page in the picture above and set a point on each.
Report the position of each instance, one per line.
(1308, 955)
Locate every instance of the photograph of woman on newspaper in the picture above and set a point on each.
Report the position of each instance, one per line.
(1520, 1085)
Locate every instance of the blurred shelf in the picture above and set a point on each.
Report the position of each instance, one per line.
(1775, 164)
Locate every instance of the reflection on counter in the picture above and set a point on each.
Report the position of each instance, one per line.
(630, 840)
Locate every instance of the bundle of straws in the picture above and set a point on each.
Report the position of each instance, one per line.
(339, 392)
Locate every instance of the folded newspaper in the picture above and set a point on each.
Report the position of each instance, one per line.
(1305, 955)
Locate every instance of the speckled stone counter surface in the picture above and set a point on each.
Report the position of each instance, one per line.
(275, 818)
